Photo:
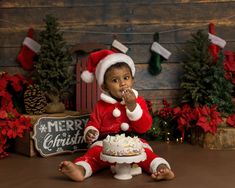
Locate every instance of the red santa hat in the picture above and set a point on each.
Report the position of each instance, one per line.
(98, 63)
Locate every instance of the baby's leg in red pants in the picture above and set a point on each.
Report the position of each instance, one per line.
(91, 161)
(152, 162)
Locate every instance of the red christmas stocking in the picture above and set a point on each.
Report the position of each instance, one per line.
(214, 49)
(29, 50)
(216, 42)
(118, 47)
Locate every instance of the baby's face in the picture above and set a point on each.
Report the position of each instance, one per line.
(117, 81)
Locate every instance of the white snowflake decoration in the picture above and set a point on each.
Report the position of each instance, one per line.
(43, 128)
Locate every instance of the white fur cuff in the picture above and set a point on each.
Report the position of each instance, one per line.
(156, 162)
(87, 167)
(136, 114)
(90, 128)
(146, 145)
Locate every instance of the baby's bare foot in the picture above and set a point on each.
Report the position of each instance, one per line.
(163, 173)
(72, 171)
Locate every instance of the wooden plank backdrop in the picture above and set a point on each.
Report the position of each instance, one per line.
(133, 23)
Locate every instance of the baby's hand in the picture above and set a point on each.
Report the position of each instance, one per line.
(130, 99)
(91, 136)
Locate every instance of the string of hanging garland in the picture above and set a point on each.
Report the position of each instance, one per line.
(18, 26)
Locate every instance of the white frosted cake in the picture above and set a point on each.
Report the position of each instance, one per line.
(120, 145)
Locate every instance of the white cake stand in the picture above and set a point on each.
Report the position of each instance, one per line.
(123, 164)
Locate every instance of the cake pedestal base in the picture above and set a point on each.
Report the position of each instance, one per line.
(123, 168)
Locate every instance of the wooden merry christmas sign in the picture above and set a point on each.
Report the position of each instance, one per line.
(55, 135)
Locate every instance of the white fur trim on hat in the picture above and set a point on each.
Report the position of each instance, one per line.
(32, 44)
(156, 47)
(217, 40)
(124, 126)
(136, 114)
(116, 112)
(116, 44)
(110, 60)
(87, 76)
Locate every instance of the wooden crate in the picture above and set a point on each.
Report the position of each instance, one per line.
(223, 139)
(26, 144)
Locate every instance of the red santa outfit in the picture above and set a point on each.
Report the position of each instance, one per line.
(112, 117)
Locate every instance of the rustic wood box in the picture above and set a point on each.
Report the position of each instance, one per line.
(26, 145)
(223, 139)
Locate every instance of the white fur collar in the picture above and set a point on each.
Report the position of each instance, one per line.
(107, 98)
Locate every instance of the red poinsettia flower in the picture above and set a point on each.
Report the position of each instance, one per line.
(25, 122)
(13, 114)
(3, 114)
(196, 113)
(4, 94)
(182, 123)
(184, 117)
(3, 84)
(16, 82)
(15, 129)
(176, 111)
(231, 120)
(12, 123)
(3, 142)
(209, 119)
(3, 127)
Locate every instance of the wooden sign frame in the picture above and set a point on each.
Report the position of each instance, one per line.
(57, 135)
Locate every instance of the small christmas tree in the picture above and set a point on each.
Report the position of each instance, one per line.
(52, 69)
(203, 81)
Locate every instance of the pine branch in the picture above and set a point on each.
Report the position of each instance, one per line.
(204, 81)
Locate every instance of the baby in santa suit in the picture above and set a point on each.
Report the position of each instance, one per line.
(119, 110)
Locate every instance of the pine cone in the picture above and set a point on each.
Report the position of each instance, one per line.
(34, 100)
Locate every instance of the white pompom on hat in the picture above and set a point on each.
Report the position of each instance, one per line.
(98, 63)
(87, 76)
